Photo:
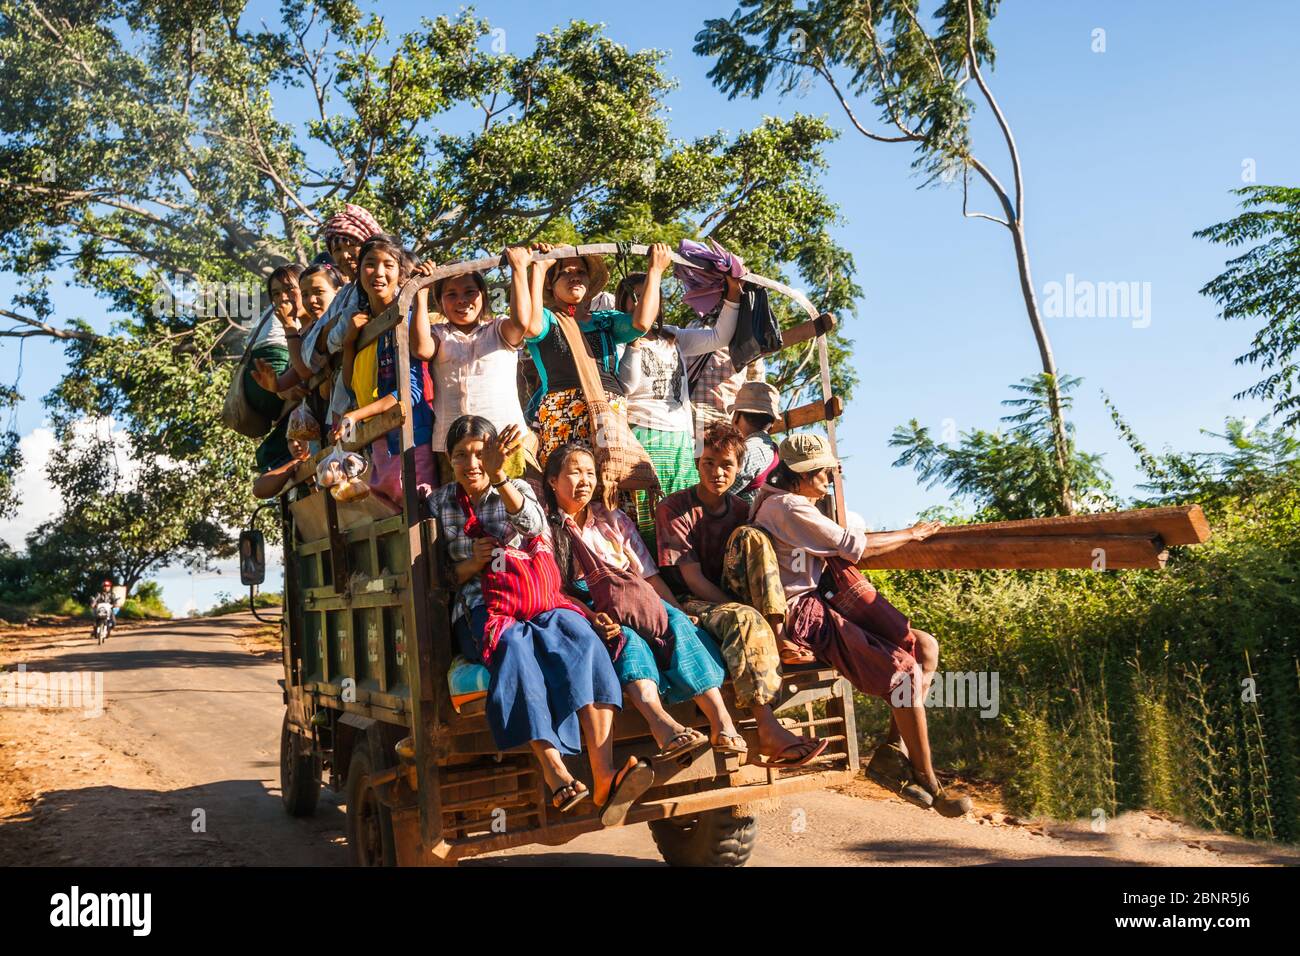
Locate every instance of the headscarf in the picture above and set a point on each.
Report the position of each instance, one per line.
(354, 222)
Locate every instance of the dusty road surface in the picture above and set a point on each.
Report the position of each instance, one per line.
(182, 767)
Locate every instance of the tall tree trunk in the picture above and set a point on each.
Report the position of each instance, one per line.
(1061, 447)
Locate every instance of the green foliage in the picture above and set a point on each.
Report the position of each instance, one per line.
(11, 459)
(1174, 690)
(118, 524)
(1258, 472)
(148, 157)
(63, 607)
(915, 77)
(233, 605)
(1263, 284)
(1008, 474)
(145, 604)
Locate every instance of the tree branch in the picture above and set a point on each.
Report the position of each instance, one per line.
(40, 328)
(907, 137)
(997, 112)
(965, 188)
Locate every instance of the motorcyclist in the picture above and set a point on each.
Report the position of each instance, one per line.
(104, 596)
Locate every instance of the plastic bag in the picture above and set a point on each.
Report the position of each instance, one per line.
(302, 424)
(350, 489)
(330, 470)
(344, 473)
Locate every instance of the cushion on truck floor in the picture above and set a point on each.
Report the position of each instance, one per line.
(468, 681)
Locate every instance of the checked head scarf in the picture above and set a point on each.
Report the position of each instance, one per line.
(354, 222)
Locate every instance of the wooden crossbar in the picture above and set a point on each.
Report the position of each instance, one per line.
(1119, 540)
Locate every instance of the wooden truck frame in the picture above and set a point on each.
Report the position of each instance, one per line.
(367, 645)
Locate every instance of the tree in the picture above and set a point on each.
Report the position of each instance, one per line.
(919, 80)
(1008, 474)
(151, 161)
(1257, 474)
(1263, 283)
(122, 526)
(11, 457)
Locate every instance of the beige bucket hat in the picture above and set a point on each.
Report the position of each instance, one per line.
(807, 452)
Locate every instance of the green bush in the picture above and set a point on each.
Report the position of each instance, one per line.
(1133, 688)
(145, 604)
(233, 605)
(62, 606)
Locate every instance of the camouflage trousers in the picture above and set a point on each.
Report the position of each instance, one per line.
(750, 572)
(748, 648)
(748, 644)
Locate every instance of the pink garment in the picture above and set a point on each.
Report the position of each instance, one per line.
(703, 279)
(803, 538)
(613, 538)
(386, 476)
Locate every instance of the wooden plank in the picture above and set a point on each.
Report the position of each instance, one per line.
(684, 805)
(809, 414)
(824, 324)
(1182, 524)
(1024, 552)
(367, 432)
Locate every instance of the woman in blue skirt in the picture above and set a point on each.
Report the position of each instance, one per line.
(552, 683)
(689, 665)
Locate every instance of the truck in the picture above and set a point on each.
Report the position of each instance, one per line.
(367, 646)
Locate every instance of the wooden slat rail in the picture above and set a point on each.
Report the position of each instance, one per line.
(367, 432)
(1025, 552)
(824, 324)
(1180, 524)
(1116, 541)
(809, 414)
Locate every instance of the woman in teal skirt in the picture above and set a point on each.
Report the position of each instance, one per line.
(688, 665)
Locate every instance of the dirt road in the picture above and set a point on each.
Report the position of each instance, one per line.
(182, 767)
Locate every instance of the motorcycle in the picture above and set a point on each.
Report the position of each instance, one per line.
(103, 621)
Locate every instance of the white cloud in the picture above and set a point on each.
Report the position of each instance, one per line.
(39, 498)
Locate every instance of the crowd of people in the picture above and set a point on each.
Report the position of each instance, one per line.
(576, 606)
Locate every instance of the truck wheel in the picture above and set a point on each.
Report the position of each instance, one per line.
(723, 837)
(299, 775)
(370, 827)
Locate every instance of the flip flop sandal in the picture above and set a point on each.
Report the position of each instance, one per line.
(724, 745)
(577, 792)
(792, 763)
(688, 740)
(792, 655)
(631, 783)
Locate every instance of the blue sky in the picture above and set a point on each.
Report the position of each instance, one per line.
(1126, 152)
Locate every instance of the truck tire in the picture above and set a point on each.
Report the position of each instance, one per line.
(370, 827)
(723, 837)
(299, 776)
